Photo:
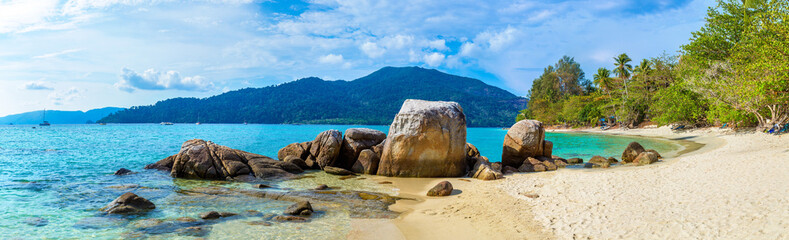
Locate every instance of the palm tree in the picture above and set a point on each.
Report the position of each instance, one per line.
(623, 69)
(643, 68)
(603, 79)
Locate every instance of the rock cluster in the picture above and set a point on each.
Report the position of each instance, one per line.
(526, 149)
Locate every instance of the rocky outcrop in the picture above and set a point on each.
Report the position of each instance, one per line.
(600, 161)
(354, 142)
(325, 148)
(302, 208)
(366, 163)
(631, 152)
(426, 139)
(483, 170)
(206, 160)
(441, 189)
(646, 158)
(123, 171)
(523, 140)
(128, 203)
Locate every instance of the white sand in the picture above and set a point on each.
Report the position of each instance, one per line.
(735, 187)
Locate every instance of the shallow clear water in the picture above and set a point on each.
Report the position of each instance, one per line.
(63, 173)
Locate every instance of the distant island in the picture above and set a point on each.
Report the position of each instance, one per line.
(59, 117)
(373, 99)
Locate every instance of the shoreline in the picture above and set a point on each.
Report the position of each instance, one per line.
(665, 200)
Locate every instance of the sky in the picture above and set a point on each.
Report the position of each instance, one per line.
(86, 54)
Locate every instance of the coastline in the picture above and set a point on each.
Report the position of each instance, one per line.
(731, 186)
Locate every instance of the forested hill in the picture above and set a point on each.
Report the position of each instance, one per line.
(373, 99)
(59, 117)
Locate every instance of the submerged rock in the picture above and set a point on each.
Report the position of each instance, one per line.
(36, 221)
(99, 222)
(524, 139)
(302, 208)
(426, 139)
(631, 152)
(441, 189)
(128, 203)
(123, 171)
(288, 218)
(210, 215)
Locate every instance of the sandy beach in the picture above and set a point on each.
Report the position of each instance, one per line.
(733, 187)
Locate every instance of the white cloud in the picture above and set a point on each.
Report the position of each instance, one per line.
(439, 44)
(331, 59)
(61, 97)
(37, 86)
(434, 59)
(55, 54)
(372, 50)
(155, 80)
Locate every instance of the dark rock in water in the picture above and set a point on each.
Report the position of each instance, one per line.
(99, 222)
(646, 158)
(36, 221)
(337, 171)
(322, 187)
(123, 186)
(367, 162)
(509, 170)
(128, 203)
(426, 139)
(156, 227)
(262, 186)
(655, 152)
(146, 223)
(165, 164)
(287, 218)
(302, 208)
(206, 160)
(227, 214)
(354, 142)
(325, 148)
(123, 171)
(210, 215)
(575, 161)
(297, 161)
(592, 165)
(186, 219)
(441, 189)
(631, 152)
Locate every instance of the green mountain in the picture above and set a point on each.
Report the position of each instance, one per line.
(59, 117)
(373, 99)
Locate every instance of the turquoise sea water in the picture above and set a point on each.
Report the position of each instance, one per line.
(63, 174)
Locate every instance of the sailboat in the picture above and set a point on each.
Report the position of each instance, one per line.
(198, 120)
(44, 119)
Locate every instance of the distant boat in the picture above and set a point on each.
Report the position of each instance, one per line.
(102, 124)
(165, 123)
(198, 120)
(44, 119)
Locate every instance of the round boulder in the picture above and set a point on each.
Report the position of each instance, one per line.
(441, 189)
(631, 152)
(325, 148)
(426, 139)
(524, 139)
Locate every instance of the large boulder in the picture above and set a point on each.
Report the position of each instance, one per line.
(367, 162)
(524, 139)
(202, 159)
(325, 148)
(426, 139)
(631, 152)
(128, 203)
(354, 141)
(646, 158)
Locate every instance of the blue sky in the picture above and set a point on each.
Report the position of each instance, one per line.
(83, 54)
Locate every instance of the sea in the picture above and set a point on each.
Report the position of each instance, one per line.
(54, 180)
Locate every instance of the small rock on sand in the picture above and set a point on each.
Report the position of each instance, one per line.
(441, 189)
